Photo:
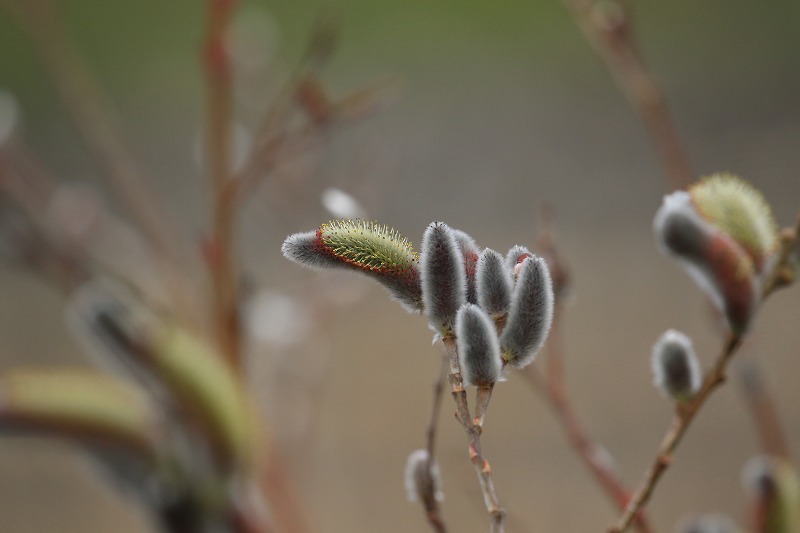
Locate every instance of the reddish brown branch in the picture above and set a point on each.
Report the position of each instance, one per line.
(607, 26)
(680, 424)
(594, 456)
(222, 248)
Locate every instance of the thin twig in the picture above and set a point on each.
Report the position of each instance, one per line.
(764, 414)
(433, 510)
(677, 430)
(608, 28)
(482, 468)
(222, 248)
(553, 386)
(594, 456)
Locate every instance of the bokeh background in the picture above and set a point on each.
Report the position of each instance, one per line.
(498, 106)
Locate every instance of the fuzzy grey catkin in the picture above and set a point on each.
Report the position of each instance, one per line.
(478, 347)
(676, 371)
(530, 314)
(470, 251)
(444, 283)
(495, 282)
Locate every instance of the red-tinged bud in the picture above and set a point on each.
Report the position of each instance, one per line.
(374, 249)
(717, 263)
(470, 251)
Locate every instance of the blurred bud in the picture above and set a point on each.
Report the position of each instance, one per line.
(737, 208)
(178, 365)
(717, 263)
(530, 314)
(707, 523)
(341, 204)
(374, 249)
(83, 405)
(676, 371)
(774, 488)
(442, 272)
(478, 347)
(208, 389)
(312, 97)
(277, 319)
(9, 116)
(494, 283)
(470, 250)
(423, 480)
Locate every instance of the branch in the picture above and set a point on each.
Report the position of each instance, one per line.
(680, 424)
(433, 510)
(473, 431)
(609, 30)
(593, 455)
(221, 252)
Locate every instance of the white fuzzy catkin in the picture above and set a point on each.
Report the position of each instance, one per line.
(530, 315)
(442, 275)
(478, 347)
(676, 371)
(494, 283)
(708, 523)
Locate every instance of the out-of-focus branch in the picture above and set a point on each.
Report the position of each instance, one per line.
(765, 417)
(92, 114)
(607, 26)
(221, 252)
(433, 511)
(680, 424)
(552, 384)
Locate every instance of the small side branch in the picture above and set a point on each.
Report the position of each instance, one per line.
(473, 431)
(683, 418)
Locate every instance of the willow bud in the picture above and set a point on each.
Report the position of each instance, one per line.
(676, 371)
(530, 314)
(478, 347)
(494, 283)
(443, 278)
(374, 249)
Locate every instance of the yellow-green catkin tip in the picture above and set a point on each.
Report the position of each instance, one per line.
(740, 210)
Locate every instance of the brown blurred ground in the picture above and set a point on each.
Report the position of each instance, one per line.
(489, 125)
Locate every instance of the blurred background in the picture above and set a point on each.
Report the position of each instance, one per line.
(496, 107)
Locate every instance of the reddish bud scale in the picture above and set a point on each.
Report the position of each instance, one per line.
(733, 272)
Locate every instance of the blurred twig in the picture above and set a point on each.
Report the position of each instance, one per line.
(552, 384)
(773, 440)
(221, 254)
(432, 508)
(607, 25)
